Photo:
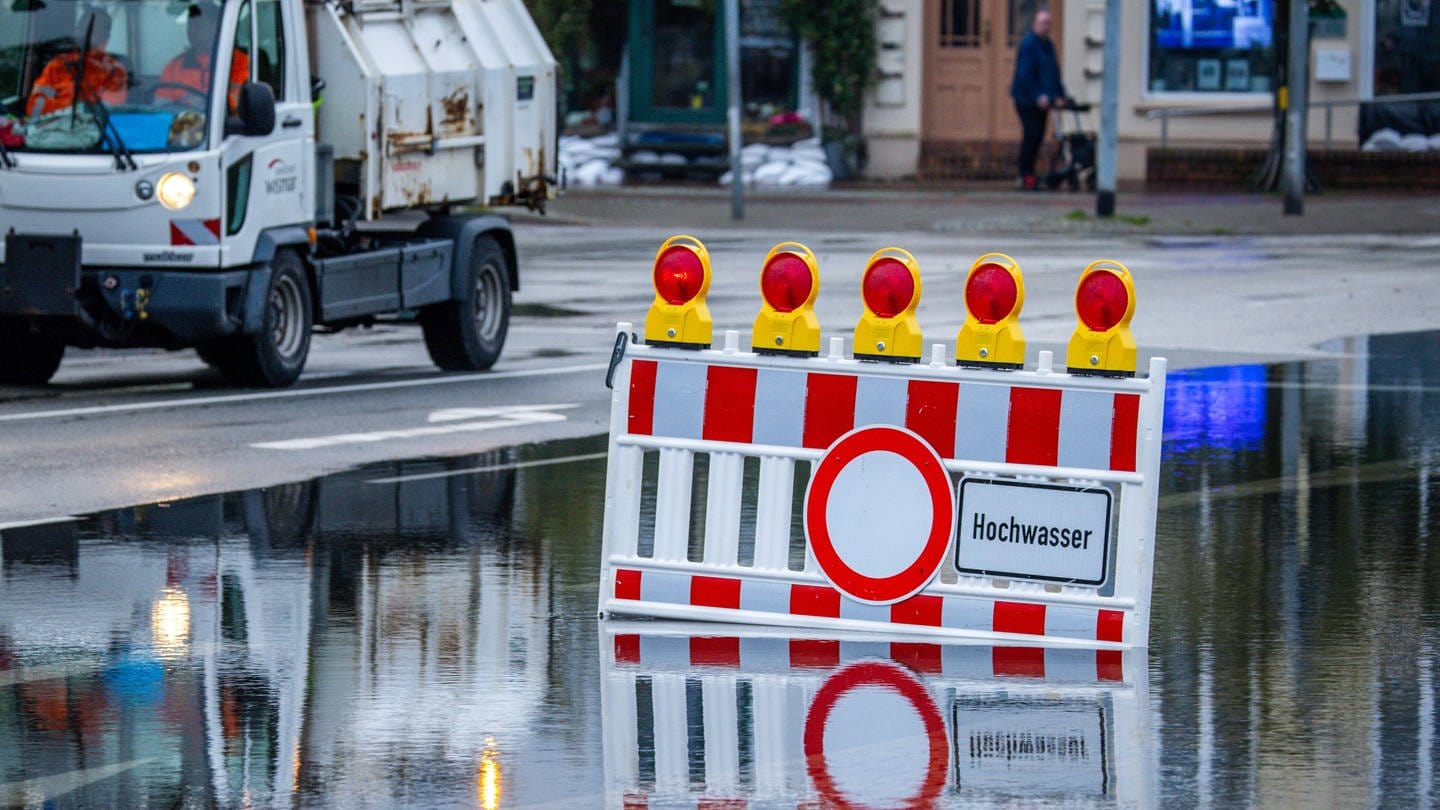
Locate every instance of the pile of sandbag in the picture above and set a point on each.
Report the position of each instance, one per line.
(1389, 140)
(591, 161)
(801, 165)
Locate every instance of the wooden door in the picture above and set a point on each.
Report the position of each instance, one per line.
(969, 61)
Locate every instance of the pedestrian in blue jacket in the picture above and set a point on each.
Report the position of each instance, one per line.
(1036, 89)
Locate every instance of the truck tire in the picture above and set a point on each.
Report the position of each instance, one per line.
(27, 357)
(275, 356)
(468, 334)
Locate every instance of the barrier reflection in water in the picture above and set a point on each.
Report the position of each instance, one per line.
(731, 715)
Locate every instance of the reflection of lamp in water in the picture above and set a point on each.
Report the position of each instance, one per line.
(170, 621)
(487, 778)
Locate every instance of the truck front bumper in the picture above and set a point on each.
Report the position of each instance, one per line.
(126, 306)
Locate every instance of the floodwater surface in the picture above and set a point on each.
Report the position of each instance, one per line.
(423, 634)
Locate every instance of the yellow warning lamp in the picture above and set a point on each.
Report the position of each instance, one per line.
(994, 296)
(890, 289)
(679, 316)
(1104, 302)
(787, 323)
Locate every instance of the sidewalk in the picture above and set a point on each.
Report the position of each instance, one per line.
(994, 211)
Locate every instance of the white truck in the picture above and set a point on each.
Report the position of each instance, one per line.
(229, 175)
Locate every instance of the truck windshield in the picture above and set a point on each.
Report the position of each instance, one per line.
(81, 76)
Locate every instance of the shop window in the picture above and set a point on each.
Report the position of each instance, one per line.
(684, 54)
(768, 58)
(1407, 59)
(1211, 46)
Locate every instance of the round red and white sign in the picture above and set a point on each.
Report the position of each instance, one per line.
(871, 733)
(880, 514)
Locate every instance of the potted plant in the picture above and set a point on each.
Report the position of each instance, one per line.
(843, 46)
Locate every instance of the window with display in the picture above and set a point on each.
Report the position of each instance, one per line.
(1407, 47)
(1211, 46)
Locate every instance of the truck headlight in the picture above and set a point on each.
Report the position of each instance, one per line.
(175, 191)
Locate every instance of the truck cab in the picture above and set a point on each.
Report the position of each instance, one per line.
(227, 176)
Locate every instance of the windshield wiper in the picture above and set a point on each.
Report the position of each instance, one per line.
(123, 159)
(98, 108)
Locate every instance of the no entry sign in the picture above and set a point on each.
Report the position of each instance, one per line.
(879, 514)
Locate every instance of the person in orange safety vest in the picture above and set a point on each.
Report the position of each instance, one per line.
(105, 78)
(192, 67)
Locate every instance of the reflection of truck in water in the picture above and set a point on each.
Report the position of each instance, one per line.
(214, 650)
(179, 173)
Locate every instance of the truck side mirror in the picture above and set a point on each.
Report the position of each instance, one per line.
(254, 111)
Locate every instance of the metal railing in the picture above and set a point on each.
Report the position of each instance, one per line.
(1166, 113)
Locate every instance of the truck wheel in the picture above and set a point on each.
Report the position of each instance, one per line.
(26, 357)
(468, 334)
(275, 356)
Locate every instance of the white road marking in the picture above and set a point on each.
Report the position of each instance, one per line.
(43, 790)
(21, 524)
(460, 414)
(291, 393)
(519, 465)
(510, 416)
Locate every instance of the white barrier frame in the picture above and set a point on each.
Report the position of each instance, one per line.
(969, 595)
(780, 697)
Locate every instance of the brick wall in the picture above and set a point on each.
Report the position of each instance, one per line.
(1186, 169)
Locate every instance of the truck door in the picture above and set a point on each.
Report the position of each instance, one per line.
(268, 179)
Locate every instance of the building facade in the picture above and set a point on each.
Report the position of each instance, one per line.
(945, 69)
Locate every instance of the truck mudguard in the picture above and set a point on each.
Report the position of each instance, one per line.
(272, 239)
(257, 289)
(462, 231)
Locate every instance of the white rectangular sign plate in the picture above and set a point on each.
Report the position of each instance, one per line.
(1063, 745)
(1033, 531)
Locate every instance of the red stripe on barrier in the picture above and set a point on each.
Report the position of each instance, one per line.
(627, 649)
(1018, 662)
(627, 584)
(642, 397)
(716, 592)
(930, 412)
(729, 404)
(1110, 626)
(814, 600)
(715, 652)
(923, 610)
(1109, 665)
(1033, 434)
(829, 408)
(1123, 431)
(1015, 617)
(635, 801)
(806, 652)
(923, 658)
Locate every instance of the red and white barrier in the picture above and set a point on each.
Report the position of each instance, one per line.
(878, 543)
(758, 717)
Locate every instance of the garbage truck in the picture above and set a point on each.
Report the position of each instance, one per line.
(234, 175)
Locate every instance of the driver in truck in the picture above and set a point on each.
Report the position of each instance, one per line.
(191, 68)
(103, 77)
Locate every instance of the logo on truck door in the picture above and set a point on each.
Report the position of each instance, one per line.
(282, 177)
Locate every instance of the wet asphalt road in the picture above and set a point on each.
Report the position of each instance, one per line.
(118, 428)
(423, 634)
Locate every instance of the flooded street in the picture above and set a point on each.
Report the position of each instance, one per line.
(423, 634)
